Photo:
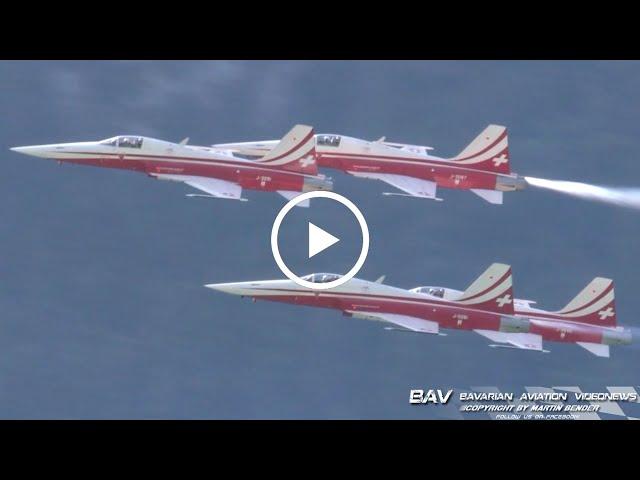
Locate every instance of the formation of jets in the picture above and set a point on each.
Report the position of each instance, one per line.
(290, 166)
(487, 307)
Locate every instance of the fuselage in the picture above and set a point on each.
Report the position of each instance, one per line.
(158, 157)
(555, 328)
(551, 325)
(360, 297)
(357, 156)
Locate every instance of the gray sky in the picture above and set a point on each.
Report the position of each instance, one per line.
(103, 310)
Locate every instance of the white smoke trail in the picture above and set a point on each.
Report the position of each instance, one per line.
(635, 331)
(623, 197)
(635, 336)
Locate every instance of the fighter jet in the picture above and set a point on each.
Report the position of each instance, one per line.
(589, 320)
(486, 304)
(289, 168)
(486, 307)
(482, 167)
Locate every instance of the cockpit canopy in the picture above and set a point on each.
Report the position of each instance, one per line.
(433, 291)
(321, 277)
(124, 142)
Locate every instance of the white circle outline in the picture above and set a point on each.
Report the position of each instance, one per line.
(356, 213)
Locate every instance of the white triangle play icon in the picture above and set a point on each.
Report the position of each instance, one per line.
(319, 240)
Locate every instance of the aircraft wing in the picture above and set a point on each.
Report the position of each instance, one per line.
(414, 187)
(526, 341)
(407, 322)
(214, 187)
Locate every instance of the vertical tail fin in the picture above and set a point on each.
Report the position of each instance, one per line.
(296, 151)
(492, 291)
(595, 304)
(489, 151)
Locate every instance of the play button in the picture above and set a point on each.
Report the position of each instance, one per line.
(319, 240)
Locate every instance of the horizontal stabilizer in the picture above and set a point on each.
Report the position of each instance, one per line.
(288, 194)
(491, 196)
(520, 302)
(598, 349)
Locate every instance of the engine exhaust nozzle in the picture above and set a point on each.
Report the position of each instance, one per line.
(312, 184)
(616, 337)
(511, 183)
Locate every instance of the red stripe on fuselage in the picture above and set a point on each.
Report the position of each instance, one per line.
(247, 175)
(446, 174)
(447, 316)
(230, 163)
(567, 332)
(413, 161)
(556, 317)
(409, 301)
(414, 300)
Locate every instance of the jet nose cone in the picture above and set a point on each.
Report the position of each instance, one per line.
(232, 288)
(238, 288)
(34, 150)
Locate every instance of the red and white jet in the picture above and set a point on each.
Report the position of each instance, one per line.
(289, 169)
(482, 167)
(486, 307)
(588, 320)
